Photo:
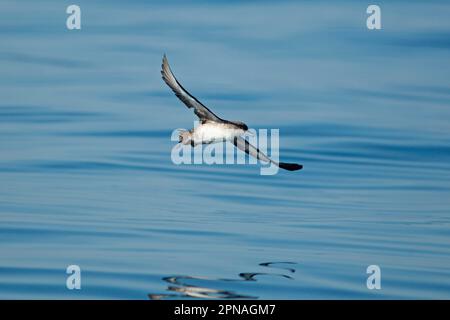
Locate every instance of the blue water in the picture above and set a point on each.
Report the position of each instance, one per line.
(87, 179)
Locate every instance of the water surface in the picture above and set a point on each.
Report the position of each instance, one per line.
(87, 179)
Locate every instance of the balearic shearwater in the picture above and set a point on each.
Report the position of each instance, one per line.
(212, 128)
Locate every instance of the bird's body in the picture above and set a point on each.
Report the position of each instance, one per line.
(212, 128)
(211, 132)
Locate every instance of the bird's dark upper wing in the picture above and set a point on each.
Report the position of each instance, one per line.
(248, 148)
(189, 100)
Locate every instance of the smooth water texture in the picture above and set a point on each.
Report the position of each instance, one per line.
(87, 179)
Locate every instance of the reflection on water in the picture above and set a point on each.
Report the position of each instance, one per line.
(184, 287)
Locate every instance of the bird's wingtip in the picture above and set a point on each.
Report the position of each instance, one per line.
(290, 166)
(164, 66)
(164, 59)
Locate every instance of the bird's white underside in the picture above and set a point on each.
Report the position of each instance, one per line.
(214, 132)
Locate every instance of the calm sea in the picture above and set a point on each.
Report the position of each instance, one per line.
(86, 176)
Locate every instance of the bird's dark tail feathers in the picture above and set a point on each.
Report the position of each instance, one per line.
(290, 166)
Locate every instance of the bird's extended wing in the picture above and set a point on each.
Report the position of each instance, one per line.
(245, 146)
(189, 100)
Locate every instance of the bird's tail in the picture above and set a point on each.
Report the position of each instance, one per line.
(290, 166)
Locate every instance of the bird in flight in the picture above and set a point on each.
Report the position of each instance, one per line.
(212, 128)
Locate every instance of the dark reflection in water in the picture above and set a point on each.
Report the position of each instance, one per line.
(183, 287)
